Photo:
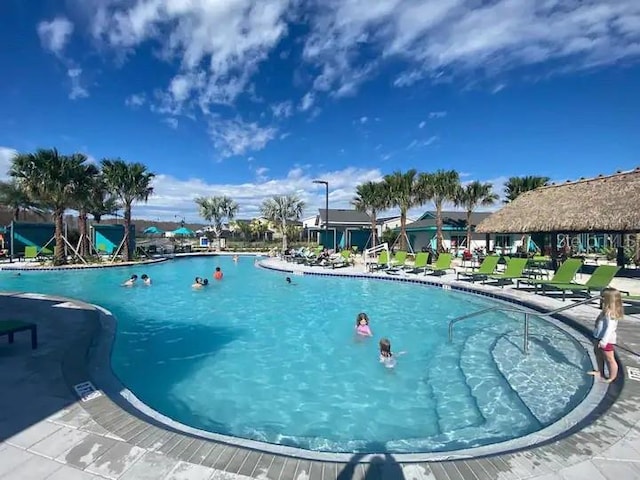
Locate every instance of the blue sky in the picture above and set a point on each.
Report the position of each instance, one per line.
(253, 98)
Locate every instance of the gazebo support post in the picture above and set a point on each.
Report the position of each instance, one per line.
(554, 251)
(487, 242)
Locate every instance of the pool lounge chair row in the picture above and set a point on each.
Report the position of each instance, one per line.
(398, 263)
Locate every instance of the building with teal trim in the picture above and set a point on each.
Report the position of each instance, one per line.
(422, 233)
(346, 229)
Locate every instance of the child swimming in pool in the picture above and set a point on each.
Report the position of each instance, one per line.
(146, 279)
(362, 325)
(200, 282)
(131, 281)
(386, 357)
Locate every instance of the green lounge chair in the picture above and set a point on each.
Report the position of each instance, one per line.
(443, 263)
(399, 259)
(11, 327)
(420, 263)
(30, 251)
(343, 260)
(383, 261)
(564, 275)
(599, 280)
(633, 302)
(486, 268)
(513, 271)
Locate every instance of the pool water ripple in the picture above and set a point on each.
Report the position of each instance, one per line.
(255, 358)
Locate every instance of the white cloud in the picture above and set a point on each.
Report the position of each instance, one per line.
(307, 102)
(437, 114)
(135, 100)
(219, 44)
(77, 89)
(261, 174)
(283, 109)
(172, 122)
(6, 157)
(422, 143)
(422, 124)
(236, 137)
(174, 196)
(438, 38)
(55, 34)
(364, 120)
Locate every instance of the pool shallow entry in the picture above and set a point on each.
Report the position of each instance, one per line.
(253, 357)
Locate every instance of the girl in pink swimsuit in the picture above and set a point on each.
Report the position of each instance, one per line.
(362, 325)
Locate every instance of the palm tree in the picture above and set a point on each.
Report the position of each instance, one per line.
(473, 195)
(371, 198)
(242, 227)
(129, 182)
(52, 180)
(82, 202)
(260, 227)
(402, 191)
(216, 210)
(16, 198)
(440, 187)
(280, 210)
(516, 186)
(101, 201)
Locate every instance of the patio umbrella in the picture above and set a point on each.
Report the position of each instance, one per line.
(183, 231)
(153, 230)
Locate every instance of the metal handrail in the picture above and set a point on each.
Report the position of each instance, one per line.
(526, 313)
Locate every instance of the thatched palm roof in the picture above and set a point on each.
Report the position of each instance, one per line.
(602, 204)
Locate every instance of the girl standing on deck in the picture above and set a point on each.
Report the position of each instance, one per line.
(604, 333)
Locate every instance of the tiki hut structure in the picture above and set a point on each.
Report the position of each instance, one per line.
(604, 204)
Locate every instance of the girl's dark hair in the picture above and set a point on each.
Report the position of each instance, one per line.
(197, 280)
(362, 316)
(288, 279)
(205, 281)
(217, 269)
(385, 346)
(144, 276)
(134, 276)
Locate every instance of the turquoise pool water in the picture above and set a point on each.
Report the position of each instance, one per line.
(252, 357)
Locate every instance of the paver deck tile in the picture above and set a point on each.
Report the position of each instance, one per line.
(87, 451)
(581, 471)
(617, 470)
(36, 468)
(70, 473)
(33, 434)
(151, 466)
(11, 458)
(189, 471)
(117, 460)
(59, 442)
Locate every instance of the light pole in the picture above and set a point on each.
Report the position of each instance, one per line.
(326, 209)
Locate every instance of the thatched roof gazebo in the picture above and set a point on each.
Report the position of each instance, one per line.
(603, 204)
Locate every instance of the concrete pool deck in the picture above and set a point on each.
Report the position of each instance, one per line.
(47, 432)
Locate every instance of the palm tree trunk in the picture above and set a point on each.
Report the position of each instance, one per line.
(439, 237)
(84, 239)
(374, 229)
(469, 231)
(284, 235)
(127, 226)
(403, 229)
(59, 256)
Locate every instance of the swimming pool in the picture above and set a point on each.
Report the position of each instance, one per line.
(255, 358)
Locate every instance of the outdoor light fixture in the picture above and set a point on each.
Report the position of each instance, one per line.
(326, 211)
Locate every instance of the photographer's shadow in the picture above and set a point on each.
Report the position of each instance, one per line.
(380, 466)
